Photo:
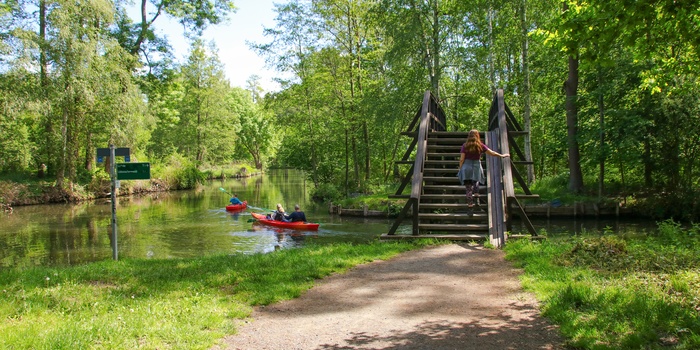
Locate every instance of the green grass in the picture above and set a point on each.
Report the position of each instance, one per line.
(608, 292)
(157, 304)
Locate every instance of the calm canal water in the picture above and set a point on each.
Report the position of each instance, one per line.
(194, 223)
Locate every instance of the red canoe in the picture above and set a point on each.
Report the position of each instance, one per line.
(236, 207)
(297, 225)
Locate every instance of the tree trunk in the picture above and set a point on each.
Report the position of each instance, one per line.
(44, 80)
(526, 92)
(347, 162)
(601, 111)
(571, 88)
(492, 69)
(435, 70)
(355, 159)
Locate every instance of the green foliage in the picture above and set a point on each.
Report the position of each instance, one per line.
(154, 304)
(100, 182)
(178, 172)
(610, 292)
(326, 193)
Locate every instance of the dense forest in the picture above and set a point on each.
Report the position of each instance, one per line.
(608, 90)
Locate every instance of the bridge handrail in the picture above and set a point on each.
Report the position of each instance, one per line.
(430, 117)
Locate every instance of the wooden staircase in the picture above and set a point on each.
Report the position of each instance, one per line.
(438, 200)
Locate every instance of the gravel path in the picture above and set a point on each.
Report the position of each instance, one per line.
(447, 297)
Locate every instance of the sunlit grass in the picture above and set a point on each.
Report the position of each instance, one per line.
(608, 292)
(157, 304)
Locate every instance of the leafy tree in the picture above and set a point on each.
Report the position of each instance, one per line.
(255, 135)
(205, 117)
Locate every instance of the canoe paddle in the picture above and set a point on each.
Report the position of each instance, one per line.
(223, 190)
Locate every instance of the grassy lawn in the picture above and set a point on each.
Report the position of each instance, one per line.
(159, 304)
(605, 292)
(610, 292)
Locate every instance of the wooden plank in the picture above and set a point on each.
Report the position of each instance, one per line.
(445, 154)
(521, 181)
(452, 197)
(405, 180)
(457, 142)
(514, 202)
(527, 196)
(495, 192)
(409, 150)
(447, 205)
(453, 216)
(512, 117)
(514, 145)
(416, 117)
(453, 163)
(451, 237)
(399, 219)
(454, 227)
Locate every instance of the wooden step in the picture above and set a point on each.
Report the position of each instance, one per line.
(453, 216)
(451, 188)
(444, 148)
(453, 227)
(443, 155)
(445, 141)
(453, 206)
(453, 134)
(450, 237)
(451, 197)
(436, 171)
(451, 163)
(452, 180)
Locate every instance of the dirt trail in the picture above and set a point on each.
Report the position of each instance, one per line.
(446, 297)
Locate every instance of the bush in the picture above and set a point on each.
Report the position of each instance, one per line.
(100, 183)
(326, 193)
(189, 177)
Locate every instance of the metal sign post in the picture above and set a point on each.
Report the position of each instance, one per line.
(113, 175)
(121, 171)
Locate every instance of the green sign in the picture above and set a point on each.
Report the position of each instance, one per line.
(133, 171)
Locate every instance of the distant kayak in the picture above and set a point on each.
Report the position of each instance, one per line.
(297, 225)
(236, 207)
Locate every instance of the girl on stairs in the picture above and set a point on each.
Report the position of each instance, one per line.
(470, 170)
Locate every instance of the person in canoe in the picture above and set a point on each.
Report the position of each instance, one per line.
(279, 214)
(234, 200)
(297, 214)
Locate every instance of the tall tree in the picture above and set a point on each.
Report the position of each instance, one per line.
(293, 41)
(204, 114)
(256, 134)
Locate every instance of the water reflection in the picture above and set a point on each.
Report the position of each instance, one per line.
(172, 225)
(194, 223)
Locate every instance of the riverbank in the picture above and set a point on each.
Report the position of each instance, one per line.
(544, 210)
(34, 191)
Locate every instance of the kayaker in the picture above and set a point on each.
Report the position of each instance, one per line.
(235, 200)
(297, 214)
(279, 214)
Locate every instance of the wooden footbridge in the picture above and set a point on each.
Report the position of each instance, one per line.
(436, 204)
